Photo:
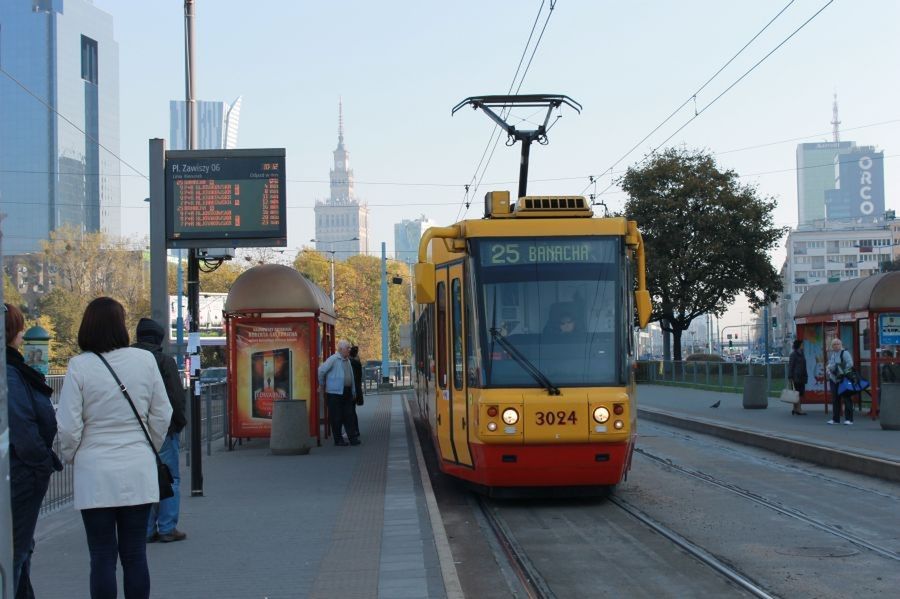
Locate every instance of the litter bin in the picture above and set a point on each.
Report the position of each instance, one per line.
(755, 393)
(889, 406)
(290, 427)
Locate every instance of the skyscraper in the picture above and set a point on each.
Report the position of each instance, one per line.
(59, 124)
(342, 222)
(407, 234)
(217, 125)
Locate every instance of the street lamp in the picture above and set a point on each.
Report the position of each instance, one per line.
(333, 251)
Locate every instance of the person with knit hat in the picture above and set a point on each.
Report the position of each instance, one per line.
(163, 522)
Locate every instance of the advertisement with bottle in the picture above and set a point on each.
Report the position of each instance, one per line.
(271, 363)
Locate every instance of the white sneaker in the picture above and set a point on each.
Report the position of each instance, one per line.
(848, 422)
(831, 422)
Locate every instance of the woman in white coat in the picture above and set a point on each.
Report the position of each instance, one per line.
(115, 468)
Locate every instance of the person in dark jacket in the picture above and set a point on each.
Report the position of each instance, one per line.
(356, 365)
(798, 375)
(32, 427)
(164, 515)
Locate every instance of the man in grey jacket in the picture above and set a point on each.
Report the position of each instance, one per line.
(336, 378)
(164, 515)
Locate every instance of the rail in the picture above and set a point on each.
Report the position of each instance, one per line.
(212, 411)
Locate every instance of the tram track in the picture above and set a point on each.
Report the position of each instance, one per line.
(772, 505)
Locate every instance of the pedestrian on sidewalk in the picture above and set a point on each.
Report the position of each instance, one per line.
(356, 365)
(32, 428)
(798, 375)
(163, 522)
(336, 378)
(115, 467)
(840, 362)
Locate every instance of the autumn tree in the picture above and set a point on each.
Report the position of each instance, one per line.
(707, 237)
(11, 295)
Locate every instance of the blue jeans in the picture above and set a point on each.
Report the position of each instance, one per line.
(27, 490)
(118, 532)
(164, 515)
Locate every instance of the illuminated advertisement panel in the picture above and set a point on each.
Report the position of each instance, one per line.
(271, 363)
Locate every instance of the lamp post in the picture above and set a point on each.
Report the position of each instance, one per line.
(333, 251)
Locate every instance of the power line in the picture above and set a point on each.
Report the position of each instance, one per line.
(63, 117)
(727, 89)
(775, 143)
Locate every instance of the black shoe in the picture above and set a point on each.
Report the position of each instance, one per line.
(169, 537)
(341, 443)
(153, 538)
(355, 442)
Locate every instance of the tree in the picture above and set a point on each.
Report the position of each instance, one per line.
(11, 295)
(706, 237)
(889, 266)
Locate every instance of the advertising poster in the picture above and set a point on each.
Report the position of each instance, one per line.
(889, 329)
(37, 356)
(272, 363)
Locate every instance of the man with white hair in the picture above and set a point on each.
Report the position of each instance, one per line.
(336, 378)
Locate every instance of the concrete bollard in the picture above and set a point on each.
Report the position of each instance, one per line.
(889, 406)
(290, 428)
(755, 396)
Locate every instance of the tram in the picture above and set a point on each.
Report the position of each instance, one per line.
(524, 345)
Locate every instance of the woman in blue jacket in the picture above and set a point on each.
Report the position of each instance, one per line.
(32, 427)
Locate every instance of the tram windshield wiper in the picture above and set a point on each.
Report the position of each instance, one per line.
(522, 361)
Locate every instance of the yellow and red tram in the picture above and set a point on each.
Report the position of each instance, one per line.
(524, 343)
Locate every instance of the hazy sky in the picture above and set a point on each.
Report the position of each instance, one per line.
(401, 66)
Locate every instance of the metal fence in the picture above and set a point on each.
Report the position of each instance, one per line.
(723, 376)
(213, 425)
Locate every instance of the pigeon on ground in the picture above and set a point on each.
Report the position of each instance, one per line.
(716, 405)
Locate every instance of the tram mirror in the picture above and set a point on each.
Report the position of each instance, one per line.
(425, 283)
(642, 301)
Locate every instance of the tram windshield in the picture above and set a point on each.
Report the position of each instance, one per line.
(559, 302)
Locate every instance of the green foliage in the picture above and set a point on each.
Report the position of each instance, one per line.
(706, 237)
(888, 266)
(11, 295)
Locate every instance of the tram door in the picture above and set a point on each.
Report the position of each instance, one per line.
(456, 385)
(443, 417)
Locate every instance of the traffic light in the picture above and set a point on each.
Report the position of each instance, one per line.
(774, 322)
(730, 343)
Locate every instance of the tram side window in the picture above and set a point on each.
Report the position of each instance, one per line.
(456, 323)
(473, 361)
(442, 335)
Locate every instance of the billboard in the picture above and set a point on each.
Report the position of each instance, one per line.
(271, 362)
(859, 192)
(225, 198)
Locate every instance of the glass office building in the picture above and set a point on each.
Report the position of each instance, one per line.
(58, 55)
(217, 125)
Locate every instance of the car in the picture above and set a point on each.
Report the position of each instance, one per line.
(213, 375)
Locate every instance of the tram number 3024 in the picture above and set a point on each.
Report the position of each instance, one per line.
(555, 418)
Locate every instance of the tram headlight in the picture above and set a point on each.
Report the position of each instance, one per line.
(618, 425)
(510, 416)
(492, 426)
(601, 414)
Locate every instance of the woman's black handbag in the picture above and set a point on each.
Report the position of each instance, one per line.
(163, 474)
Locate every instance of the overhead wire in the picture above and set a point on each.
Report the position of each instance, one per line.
(66, 119)
(697, 113)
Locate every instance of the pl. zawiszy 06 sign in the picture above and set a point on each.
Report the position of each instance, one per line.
(225, 198)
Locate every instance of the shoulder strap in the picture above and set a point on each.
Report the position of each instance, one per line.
(124, 391)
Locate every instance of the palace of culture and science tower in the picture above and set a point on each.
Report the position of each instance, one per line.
(342, 223)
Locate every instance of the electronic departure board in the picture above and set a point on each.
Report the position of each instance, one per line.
(225, 198)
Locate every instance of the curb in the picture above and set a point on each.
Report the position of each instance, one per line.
(792, 448)
(452, 586)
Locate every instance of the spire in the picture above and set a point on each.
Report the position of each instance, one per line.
(340, 121)
(834, 120)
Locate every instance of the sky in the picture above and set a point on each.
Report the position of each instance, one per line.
(399, 67)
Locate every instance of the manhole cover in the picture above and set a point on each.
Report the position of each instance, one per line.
(818, 551)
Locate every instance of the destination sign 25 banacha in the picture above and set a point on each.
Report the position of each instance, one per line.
(225, 198)
(561, 250)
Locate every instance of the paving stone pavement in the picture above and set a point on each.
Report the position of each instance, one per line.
(340, 522)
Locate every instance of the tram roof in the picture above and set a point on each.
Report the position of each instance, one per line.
(876, 292)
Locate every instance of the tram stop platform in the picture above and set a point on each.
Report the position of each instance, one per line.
(349, 522)
(864, 447)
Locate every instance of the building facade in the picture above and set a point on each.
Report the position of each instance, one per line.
(342, 221)
(60, 138)
(217, 125)
(829, 252)
(407, 234)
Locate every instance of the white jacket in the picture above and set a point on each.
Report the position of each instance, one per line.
(114, 465)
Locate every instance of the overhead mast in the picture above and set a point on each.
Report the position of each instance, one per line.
(836, 132)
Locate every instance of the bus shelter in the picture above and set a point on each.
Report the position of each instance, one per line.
(865, 315)
(279, 326)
